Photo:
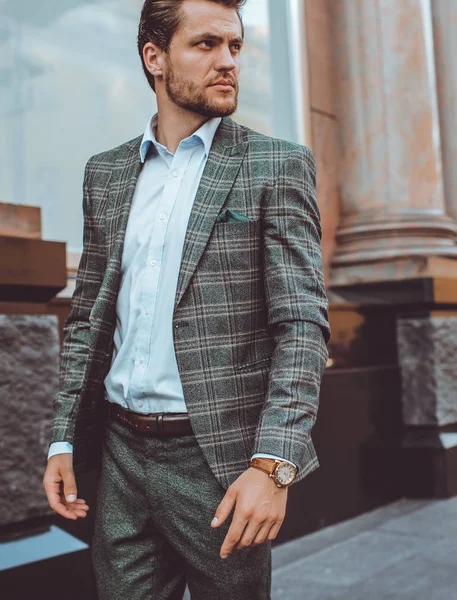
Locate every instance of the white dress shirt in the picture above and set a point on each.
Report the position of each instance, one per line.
(144, 375)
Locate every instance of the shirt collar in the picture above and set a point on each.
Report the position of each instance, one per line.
(205, 135)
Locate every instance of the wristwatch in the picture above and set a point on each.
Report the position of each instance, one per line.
(281, 471)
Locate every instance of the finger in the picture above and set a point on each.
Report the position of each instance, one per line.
(262, 534)
(234, 533)
(53, 493)
(69, 484)
(79, 503)
(250, 532)
(274, 530)
(225, 508)
(76, 507)
(56, 504)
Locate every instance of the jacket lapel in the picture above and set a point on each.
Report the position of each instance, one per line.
(122, 187)
(123, 179)
(222, 166)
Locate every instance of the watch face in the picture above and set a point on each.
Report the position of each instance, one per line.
(285, 473)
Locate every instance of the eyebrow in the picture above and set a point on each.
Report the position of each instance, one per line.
(216, 38)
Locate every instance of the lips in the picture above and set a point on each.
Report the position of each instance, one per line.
(224, 83)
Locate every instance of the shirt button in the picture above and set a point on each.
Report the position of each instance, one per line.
(140, 360)
(153, 263)
(162, 215)
(140, 403)
(147, 311)
(175, 173)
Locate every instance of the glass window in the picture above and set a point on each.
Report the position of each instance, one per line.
(71, 85)
(255, 105)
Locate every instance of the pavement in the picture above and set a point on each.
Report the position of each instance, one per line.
(405, 550)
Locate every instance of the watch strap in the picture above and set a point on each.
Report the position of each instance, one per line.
(267, 465)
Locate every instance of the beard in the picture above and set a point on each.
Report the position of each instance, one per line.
(186, 94)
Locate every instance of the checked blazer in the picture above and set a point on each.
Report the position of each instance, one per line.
(250, 323)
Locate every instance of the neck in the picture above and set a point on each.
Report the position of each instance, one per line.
(175, 124)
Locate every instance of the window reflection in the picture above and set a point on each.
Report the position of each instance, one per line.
(71, 85)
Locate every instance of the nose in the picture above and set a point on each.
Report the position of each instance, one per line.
(226, 60)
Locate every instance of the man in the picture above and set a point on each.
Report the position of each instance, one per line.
(198, 325)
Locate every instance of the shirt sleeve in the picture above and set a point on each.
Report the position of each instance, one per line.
(262, 455)
(60, 448)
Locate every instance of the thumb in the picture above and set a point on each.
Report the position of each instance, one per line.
(224, 508)
(69, 485)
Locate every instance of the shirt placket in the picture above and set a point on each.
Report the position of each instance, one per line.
(153, 270)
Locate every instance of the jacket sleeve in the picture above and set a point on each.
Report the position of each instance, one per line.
(75, 346)
(297, 309)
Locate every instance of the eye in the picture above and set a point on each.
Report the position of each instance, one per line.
(208, 43)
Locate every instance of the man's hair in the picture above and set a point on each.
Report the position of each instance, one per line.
(159, 21)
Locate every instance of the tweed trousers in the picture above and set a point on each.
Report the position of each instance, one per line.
(155, 501)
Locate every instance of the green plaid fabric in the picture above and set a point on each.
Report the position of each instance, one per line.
(250, 320)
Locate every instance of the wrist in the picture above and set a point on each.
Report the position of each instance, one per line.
(265, 481)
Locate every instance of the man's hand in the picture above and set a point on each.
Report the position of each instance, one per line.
(260, 507)
(60, 487)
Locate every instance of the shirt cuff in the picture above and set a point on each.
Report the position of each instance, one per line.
(261, 455)
(60, 448)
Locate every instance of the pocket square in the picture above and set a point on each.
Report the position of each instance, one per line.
(229, 216)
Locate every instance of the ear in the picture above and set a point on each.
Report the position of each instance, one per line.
(153, 58)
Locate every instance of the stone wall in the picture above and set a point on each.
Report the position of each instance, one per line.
(29, 370)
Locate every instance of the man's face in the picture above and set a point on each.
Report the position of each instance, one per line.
(202, 65)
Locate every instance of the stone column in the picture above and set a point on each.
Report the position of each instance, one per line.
(393, 217)
(444, 14)
(323, 121)
(396, 239)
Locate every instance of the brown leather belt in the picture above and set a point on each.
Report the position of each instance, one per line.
(155, 424)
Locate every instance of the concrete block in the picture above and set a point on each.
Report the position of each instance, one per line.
(29, 371)
(426, 349)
